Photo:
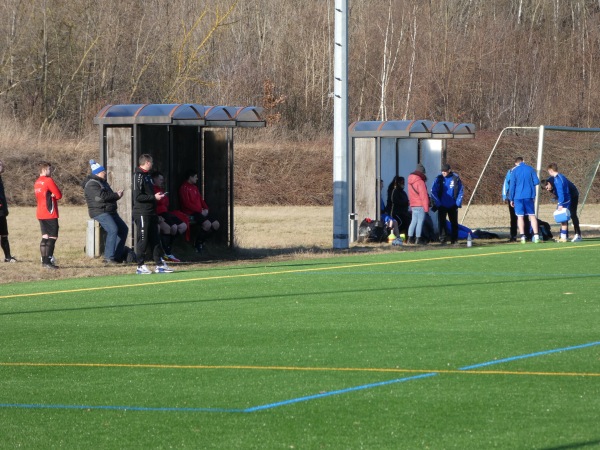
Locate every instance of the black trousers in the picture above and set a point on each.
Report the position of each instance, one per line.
(452, 215)
(148, 237)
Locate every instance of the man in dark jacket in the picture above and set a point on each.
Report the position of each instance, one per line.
(447, 193)
(102, 206)
(145, 217)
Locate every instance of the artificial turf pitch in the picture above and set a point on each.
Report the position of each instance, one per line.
(495, 347)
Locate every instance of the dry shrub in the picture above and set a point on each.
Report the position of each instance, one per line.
(22, 148)
(284, 173)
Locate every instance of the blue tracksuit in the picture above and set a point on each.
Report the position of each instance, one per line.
(564, 190)
(447, 191)
(523, 181)
(506, 185)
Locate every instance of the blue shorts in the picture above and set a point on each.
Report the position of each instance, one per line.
(524, 207)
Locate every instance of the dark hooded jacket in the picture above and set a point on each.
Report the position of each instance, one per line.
(99, 196)
(144, 202)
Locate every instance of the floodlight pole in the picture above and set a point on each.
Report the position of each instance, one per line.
(539, 167)
(341, 204)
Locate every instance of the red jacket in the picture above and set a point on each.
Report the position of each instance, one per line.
(417, 190)
(47, 195)
(190, 199)
(162, 205)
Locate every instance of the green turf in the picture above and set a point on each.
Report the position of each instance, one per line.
(195, 355)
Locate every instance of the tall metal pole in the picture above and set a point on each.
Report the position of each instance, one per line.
(340, 128)
(540, 155)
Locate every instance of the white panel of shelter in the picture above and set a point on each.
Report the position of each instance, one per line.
(365, 179)
(431, 158)
(408, 157)
(388, 163)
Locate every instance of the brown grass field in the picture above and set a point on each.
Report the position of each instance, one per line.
(268, 233)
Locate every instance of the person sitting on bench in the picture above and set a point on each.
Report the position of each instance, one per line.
(192, 203)
(170, 223)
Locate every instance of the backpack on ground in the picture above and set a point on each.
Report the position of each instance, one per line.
(545, 230)
(371, 230)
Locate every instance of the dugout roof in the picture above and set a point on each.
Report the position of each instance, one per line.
(181, 114)
(417, 129)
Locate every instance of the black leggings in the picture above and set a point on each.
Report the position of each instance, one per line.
(574, 218)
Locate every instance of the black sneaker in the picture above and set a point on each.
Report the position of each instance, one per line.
(49, 266)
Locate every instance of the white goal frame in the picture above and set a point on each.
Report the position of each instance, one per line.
(541, 129)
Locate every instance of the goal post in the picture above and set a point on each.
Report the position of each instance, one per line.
(575, 150)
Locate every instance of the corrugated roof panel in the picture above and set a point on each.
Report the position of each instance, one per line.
(122, 110)
(372, 126)
(190, 112)
(442, 130)
(421, 129)
(157, 110)
(464, 131)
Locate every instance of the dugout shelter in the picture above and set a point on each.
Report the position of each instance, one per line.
(381, 150)
(179, 137)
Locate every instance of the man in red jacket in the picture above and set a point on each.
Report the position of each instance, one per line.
(192, 203)
(47, 195)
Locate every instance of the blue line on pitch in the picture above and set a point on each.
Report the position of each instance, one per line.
(297, 399)
(530, 355)
(338, 392)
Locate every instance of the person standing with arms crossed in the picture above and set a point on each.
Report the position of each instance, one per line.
(521, 193)
(47, 195)
(145, 217)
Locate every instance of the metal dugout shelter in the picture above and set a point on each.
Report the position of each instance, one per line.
(179, 137)
(381, 150)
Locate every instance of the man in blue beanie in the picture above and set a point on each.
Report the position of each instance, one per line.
(102, 206)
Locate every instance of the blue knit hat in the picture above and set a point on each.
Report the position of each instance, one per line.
(96, 168)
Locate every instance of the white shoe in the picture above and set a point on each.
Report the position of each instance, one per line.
(143, 270)
(163, 269)
(536, 239)
(576, 238)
